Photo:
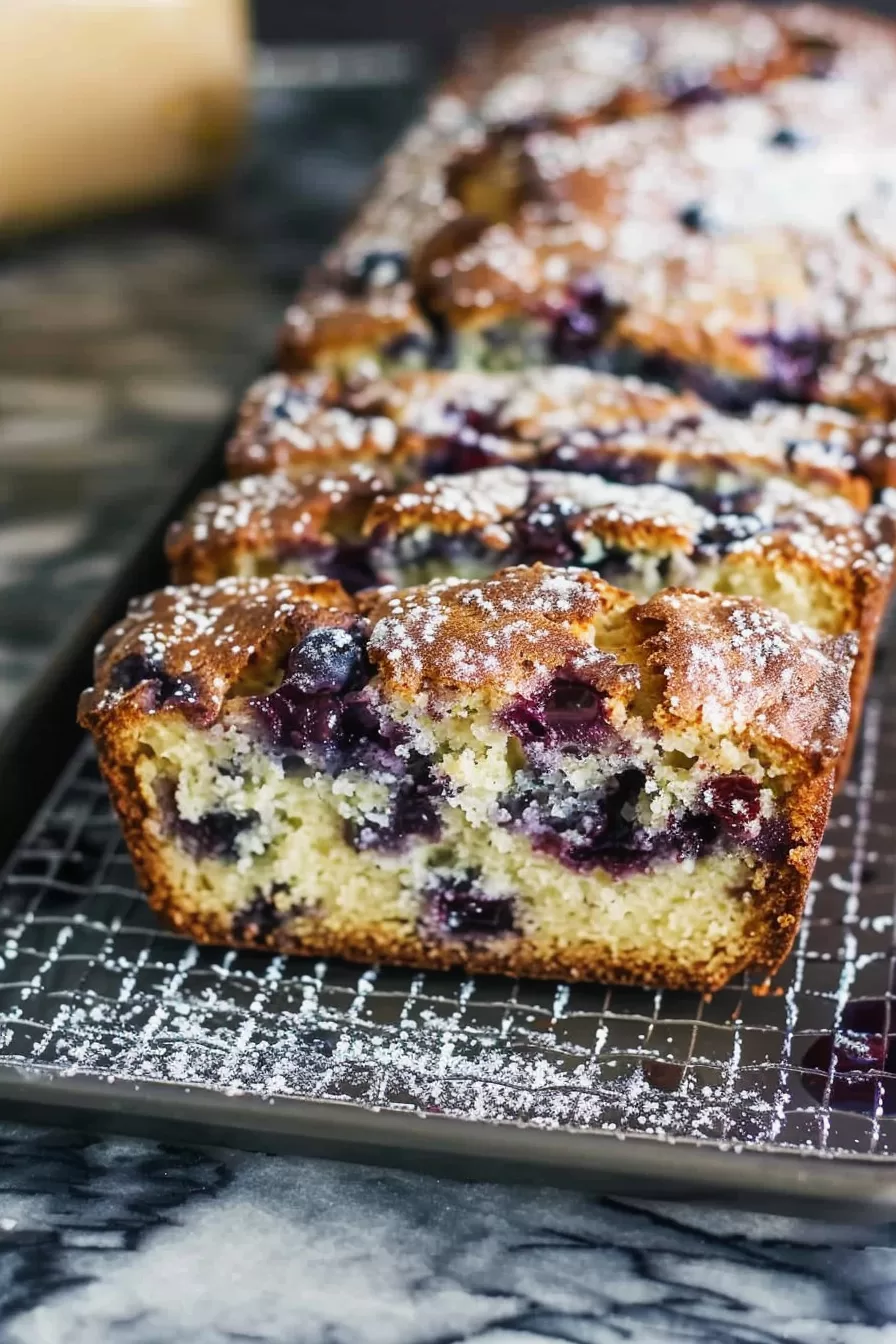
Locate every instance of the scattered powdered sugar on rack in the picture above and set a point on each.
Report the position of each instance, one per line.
(89, 984)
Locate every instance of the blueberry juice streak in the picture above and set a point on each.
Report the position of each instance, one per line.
(323, 716)
(601, 826)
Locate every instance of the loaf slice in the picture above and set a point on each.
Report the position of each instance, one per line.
(820, 561)
(711, 205)
(413, 425)
(532, 775)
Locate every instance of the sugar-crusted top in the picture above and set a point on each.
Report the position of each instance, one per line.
(275, 514)
(481, 501)
(626, 60)
(733, 665)
(184, 648)
(718, 228)
(452, 637)
(477, 502)
(861, 374)
(559, 416)
(725, 665)
(698, 297)
(300, 422)
(807, 154)
(776, 517)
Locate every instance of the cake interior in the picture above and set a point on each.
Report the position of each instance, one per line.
(317, 815)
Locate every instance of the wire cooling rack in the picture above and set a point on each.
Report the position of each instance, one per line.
(92, 987)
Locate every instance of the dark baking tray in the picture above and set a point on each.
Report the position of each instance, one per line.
(109, 1021)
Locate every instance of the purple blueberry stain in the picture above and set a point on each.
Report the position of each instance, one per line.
(136, 669)
(581, 327)
(727, 532)
(412, 812)
(600, 826)
(685, 89)
(214, 835)
(588, 452)
(564, 714)
(457, 907)
(855, 1063)
(260, 919)
(793, 361)
(323, 715)
(544, 534)
(473, 439)
(735, 802)
(819, 55)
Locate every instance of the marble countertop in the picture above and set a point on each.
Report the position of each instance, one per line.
(120, 350)
(131, 1243)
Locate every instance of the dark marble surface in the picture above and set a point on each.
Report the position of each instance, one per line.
(120, 350)
(123, 346)
(135, 1244)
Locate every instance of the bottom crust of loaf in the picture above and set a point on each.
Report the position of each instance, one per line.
(536, 957)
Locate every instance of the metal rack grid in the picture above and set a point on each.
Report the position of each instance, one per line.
(90, 985)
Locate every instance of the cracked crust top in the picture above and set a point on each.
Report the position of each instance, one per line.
(719, 664)
(185, 648)
(550, 416)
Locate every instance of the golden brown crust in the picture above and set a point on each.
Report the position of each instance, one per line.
(626, 61)
(701, 661)
(257, 524)
(777, 916)
(739, 668)
(410, 424)
(299, 424)
(449, 638)
(475, 504)
(732, 238)
(729, 665)
(861, 375)
(776, 521)
(196, 643)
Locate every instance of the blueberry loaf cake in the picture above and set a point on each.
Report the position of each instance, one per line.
(412, 425)
(704, 196)
(533, 774)
(820, 561)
